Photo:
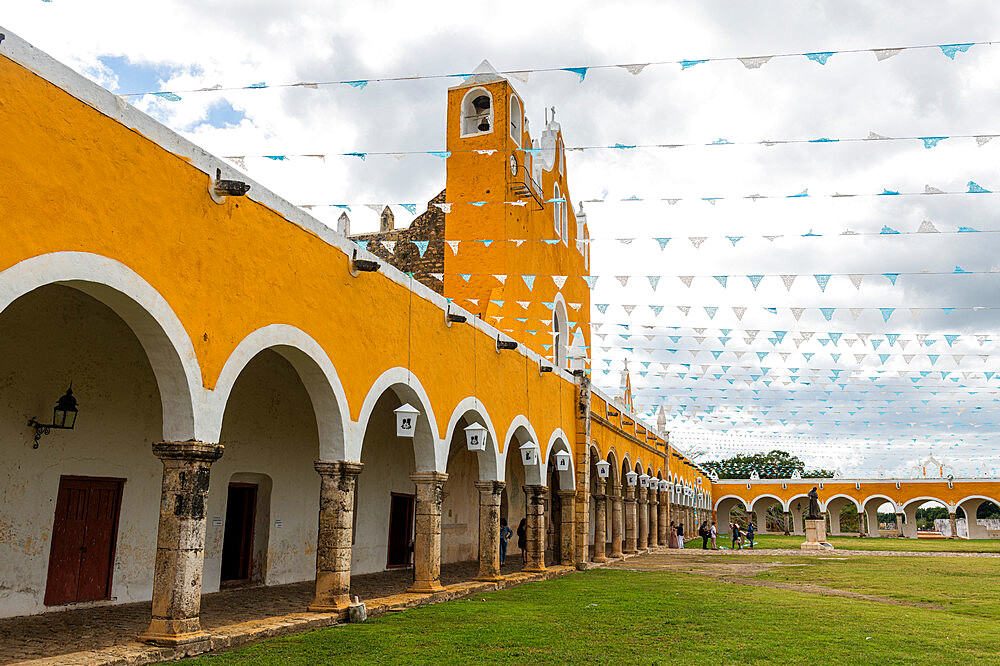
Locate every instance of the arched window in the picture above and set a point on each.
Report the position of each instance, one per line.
(560, 333)
(557, 209)
(515, 120)
(477, 112)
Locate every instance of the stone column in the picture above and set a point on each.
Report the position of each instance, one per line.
(899, 524)
(333, 539)
(788, 517)
(489, 529)
(567, 528)
(761, 516)
(954, 524)
(643, 510)
(616, 521)
(652, 497)
(180, 542)
(427, 532)
(630, 518)
(600, 522)
(536, 496)
(663, 522)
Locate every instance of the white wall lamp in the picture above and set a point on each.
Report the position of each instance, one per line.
(406, 420)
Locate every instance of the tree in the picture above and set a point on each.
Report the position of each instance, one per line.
(775, 464)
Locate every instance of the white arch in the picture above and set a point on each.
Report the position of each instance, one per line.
(983, 498)
(490, 459)
(884, 499)
(778, 500)
(315, 370)
(408, 388)
(560, 321)
(725, 497)
(160, 332)
(532, 475)
(921, 500)
(468, 113)
(558, 442)
(823, 505)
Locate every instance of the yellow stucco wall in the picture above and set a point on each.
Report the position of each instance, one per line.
(75, 180)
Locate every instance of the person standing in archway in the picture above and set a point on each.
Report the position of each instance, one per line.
(672, 535)
(714, 532)
(680, 534)
(522, 539)
(505, 534)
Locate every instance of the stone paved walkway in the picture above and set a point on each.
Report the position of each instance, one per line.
(53, 634)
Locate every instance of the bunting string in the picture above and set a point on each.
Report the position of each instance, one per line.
(972, 187)
(950, 51)
(927, 141)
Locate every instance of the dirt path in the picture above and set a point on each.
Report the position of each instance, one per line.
(744, 572)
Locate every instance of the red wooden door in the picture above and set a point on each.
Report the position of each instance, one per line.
(84, 534)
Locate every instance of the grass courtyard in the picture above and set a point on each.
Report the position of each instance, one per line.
(691, 608)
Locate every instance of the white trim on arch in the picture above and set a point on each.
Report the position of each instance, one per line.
(983, 498)
(532, 476)
(490, 460)
(433, 460)
(824, 505)
(725, 497)
(315, 370)
(559, 442)
(921, 500)
(784, 506)
(166, 342)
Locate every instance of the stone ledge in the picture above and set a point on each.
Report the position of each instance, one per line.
(236, 635)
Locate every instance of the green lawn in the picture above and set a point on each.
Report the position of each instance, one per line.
(854, 543)
(614, 616)
(963, 585)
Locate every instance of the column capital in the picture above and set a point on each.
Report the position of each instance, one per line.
(192, 450)
(599, 496)
(428, 477)
(566, 494)
(535, 489)
(616, 491)
(492, 486)
(333, 467)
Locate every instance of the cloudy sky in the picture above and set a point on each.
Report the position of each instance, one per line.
(888, 375)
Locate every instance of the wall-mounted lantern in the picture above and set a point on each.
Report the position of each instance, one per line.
(406, 420)
(664, 485)
(475, 437)
(631, 478)
(63, 417)
(603, 469)
(644, 481)
(563, 460)
(529, 453)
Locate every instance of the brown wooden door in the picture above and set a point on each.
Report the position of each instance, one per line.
(84, 534)
(400, 530)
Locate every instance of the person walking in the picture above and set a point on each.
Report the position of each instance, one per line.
(505, 534)
(522, 539)
(672, 535)
(735, 527)
(680, 535)
(704, 533)
(750, 531)
(713, 534)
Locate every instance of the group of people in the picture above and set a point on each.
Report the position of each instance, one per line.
(709, 533)
(522, 539)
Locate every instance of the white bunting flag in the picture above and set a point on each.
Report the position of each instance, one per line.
(789, 280)
(739, 311)
(453, 245)
(623, 279)
(755, 62)
(390, 246)
(856, 279)
(697, 240)
(502, 279)
(797, 312)
(686, 279)
(885, 54)
(559, 280)
(927, 227)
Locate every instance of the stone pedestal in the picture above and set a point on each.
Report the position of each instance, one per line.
(630, 519)
(954, 525)
(427, 532)
(333, 540)
(180, 542)
(616, 521)
(643, 509)
(787, 519)
(600, 522)
(536, 496)
(816, 535)
(489, 529)
(567, 527)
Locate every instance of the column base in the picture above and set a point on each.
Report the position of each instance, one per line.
(600, 559)
(339, 608)
(426, 587)
(535, 568)
(172, 633)
(489, 579)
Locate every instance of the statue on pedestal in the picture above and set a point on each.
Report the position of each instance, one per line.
(814, 512)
